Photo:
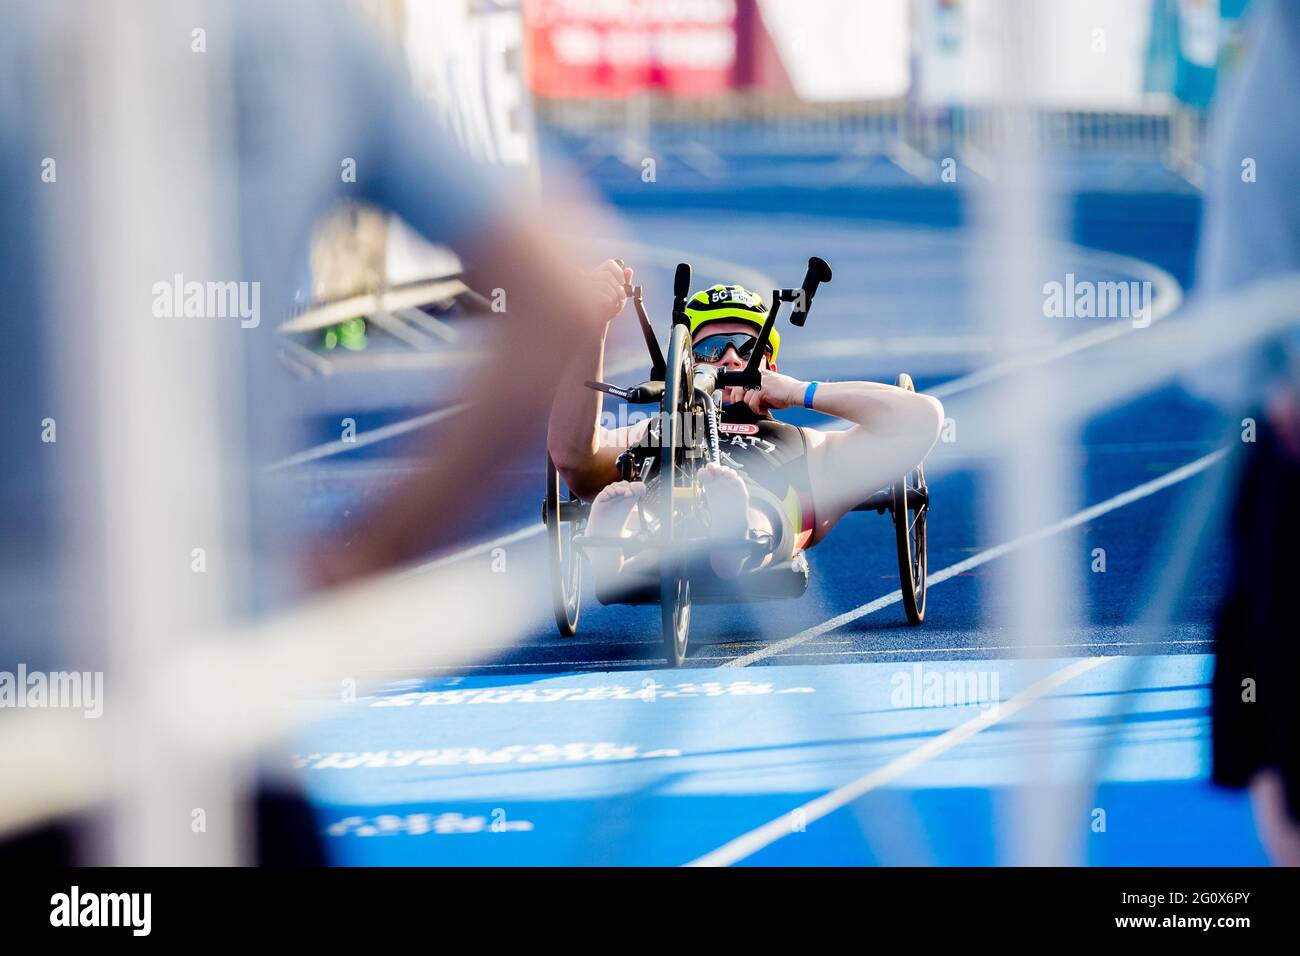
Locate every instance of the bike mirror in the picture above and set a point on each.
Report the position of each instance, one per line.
(682, 280)
(818, 272)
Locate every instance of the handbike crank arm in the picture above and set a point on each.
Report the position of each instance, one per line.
(657, 364)
(647, 393)
(608, 389)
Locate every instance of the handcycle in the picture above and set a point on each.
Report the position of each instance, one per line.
(686, 439)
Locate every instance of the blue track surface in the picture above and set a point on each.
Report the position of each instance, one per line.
(660, 768)
(586, 751)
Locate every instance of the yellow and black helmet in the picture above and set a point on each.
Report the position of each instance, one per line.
(730, 303)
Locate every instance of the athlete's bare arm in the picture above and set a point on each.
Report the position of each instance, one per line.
(584, 452)
(521, 255)
(892, 431)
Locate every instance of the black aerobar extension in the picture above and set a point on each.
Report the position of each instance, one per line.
(750, 377)
(657, 364)
(681, 289)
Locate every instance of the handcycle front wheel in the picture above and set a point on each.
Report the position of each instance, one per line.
(909, 506)
(566, 566)
(674, 585)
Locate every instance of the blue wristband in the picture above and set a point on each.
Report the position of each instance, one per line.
(808, 394)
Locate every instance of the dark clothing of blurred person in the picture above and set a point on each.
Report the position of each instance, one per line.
(1252, 231)
(1256, 733)
(293, 89)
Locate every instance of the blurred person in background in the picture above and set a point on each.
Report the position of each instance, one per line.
(1251, 232)
(285, 93)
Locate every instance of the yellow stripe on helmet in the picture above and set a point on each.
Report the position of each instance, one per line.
(729, 303)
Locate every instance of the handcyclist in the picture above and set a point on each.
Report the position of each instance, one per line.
(776, 482)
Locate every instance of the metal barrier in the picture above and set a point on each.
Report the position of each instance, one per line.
(1167, 132)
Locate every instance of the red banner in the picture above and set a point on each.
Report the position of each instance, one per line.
(610, 48)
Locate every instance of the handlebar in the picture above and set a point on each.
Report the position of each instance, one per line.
(708, 378)
(741, 379)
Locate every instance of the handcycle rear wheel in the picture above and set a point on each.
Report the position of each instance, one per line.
(909, 507)
(566, 566)
(674, 585)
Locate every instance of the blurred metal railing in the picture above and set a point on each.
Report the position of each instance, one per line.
(1164, 130)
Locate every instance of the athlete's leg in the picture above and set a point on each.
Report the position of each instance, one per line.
(612, 516)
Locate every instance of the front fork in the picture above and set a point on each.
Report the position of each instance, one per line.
(710, 426)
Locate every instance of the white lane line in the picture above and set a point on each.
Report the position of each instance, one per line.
(483, 547)
(1084, 645)
(994, 372)
(1167, 294)
(407, 425)
(1087, 645)
(523, 664)
(750, 843)
(383, 433)
(987, 555)
(902, 345)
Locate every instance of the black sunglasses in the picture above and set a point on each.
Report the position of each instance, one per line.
(711, 348)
